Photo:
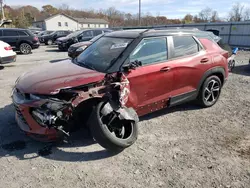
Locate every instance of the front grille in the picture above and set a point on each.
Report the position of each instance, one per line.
(20, 115)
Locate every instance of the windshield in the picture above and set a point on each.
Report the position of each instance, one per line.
(75, 34)
(103, 53)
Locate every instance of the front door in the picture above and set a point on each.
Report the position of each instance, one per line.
(151, 83)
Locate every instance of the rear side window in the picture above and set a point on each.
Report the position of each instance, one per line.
(150, 51)
(10, 33)
(22, 33)
(184, 45)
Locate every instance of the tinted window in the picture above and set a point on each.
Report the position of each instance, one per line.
(10, 33)
(87, 34)
(22, 33)
(97, 32)
(184, 45)
(150, 51)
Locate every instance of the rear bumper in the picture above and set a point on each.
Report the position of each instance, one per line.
(36, 45)
(8, 59)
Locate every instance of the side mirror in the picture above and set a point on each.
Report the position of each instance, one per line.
(132, 65)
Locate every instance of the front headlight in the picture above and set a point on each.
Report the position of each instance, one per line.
(81, 49)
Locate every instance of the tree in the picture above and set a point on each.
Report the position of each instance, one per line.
(236, 13)
(49, 10)
(205, 14)
(247, 14)
(215, 16)
(188, 19)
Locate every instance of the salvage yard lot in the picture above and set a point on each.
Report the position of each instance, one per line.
(183, 146)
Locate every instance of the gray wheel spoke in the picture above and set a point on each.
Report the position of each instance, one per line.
(207, 90)
(206, 98)
(212, 94)
(216, 88)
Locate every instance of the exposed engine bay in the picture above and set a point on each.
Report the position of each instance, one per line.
(57, 110)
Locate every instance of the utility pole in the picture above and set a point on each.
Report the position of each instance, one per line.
(139, 12)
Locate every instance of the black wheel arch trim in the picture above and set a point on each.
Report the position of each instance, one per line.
(213, 71)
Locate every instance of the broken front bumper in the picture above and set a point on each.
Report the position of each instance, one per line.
(28, 124)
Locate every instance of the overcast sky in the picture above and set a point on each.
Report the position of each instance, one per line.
(169, 8)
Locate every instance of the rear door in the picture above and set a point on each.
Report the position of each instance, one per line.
(11, 37)
(151, 83)
(189, 62)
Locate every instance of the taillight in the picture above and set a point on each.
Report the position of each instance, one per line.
(8, 48)
(36, 38)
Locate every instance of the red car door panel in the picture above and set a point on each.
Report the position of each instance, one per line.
(188, 72)
(150, 85)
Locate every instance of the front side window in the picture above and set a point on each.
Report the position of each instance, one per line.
(184, 45)
(150, 51)
(59, 24)
(103, 53)
(87, 34)
(10, 33)
(97, 32)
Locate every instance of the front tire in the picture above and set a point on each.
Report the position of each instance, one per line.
(210, 91)
(50, 42)
(115, 136)
(25, 48)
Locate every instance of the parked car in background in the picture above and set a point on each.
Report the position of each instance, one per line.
(51, 38)
(7, 55)
(122, 75)
(76, 49)
(21, 40)
(79, 36)
(42, 33)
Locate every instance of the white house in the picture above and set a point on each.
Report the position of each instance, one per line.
(65, 22)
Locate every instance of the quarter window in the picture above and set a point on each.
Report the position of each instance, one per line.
(150, 51)
(22, 33)
(184, 45)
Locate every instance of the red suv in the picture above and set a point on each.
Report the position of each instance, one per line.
(122, 75)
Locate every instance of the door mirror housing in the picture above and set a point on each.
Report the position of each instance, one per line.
(132, 65)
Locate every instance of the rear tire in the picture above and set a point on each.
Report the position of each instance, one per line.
(210, 91)
(105, 137)
(25, 48)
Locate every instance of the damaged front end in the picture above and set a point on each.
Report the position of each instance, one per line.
(58, 110)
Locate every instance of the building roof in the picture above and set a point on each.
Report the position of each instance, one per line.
(79, 20)
(91, 20)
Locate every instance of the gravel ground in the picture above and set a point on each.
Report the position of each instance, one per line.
(180, 147)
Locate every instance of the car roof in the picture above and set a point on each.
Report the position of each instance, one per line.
(134, 33)
(17, 29)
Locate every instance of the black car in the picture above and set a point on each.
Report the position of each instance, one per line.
(79, 36)
(21, 40)
(76, 49)
(51, 38)
(42, 33)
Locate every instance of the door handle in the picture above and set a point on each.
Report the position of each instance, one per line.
(204, 60)
(165, 69)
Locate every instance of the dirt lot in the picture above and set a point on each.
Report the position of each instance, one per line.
(182, 147)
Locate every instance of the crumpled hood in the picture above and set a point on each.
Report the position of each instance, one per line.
(80, 44)
(53, 77)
